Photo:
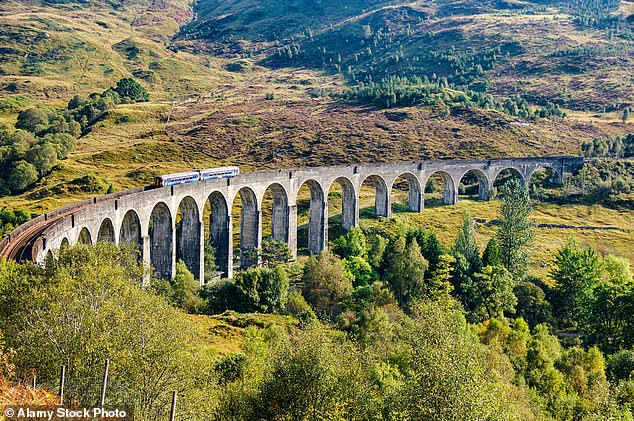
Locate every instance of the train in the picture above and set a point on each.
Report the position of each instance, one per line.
(194, 176)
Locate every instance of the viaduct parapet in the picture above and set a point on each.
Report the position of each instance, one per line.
(147, 217)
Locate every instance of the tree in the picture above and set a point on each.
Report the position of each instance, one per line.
(447, 376)
(404, 271)
(325, 283)
(609, 321)
(261, 289)
(515, 233)
(44, 157)
(466, 245)
(92, 307)
(22, 176)
(439, 281)
(359, 271)
(532, 305)
(274, 253)
(626, 115)
(576, 271)
(492, 293)
(131, 89)
(185, 289)
(32, 120)
(491, 255)
(430, 246)
(352, 243)
(376, 248)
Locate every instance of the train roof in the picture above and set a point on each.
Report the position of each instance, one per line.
(178, 174)
(221, 168)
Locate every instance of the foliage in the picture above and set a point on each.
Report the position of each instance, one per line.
(616, 147)
(352, 243)
(576, 272)
(492, 293)
(376, 247)
(404, 271)
(532, 304)
(491, 255)
(210, 260)
(326, 283)
(275, 253)
(360, 271)
(297, 306)
(10, 219)
(261, 289)
(92, 307)
(220, 296)
(515, 232)
(129, 90)
(185, 289)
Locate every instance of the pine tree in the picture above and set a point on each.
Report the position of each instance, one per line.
(515, 233)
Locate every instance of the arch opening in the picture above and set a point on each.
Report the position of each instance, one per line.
(84, 237)
(246, 227)
(217, 244)
(342, 204)
(188, 235)
(106, 231)
(275, 214)
(543, 182)
(505, 176)
(312, 211)
(376, 186)
(161, 240)
(130, 232)
(64, 244)
(406, 194)
(474, 184)
(439, 189)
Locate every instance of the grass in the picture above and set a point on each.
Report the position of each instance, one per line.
(224, 333)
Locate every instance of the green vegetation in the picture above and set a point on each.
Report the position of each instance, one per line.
(42, 136)
(618, 147)
(400, 344)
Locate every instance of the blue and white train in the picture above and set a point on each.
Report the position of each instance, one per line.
(193, 176)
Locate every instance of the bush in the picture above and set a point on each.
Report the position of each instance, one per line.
(326, 283)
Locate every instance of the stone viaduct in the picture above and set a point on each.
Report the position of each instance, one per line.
(167, 224)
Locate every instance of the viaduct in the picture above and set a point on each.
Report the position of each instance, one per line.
(147, 217)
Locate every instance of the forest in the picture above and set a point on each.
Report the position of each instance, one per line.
(382, 327)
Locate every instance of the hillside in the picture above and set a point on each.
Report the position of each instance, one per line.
(292, 83)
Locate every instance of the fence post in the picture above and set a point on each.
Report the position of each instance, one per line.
(104, 383)
(173, 410)
(62, 376)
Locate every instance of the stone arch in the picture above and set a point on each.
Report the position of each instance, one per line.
(161, 240)
(381, 197)
(279, 212)
(349, 203)
(415, 193)
(130, 231)
(84, 237)
(482, 180)
(317, 214)
(188, 235)
(450, 195)
(508, 170)
(249, 227)
(106, 231)
(220, 231)
(65, 243)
